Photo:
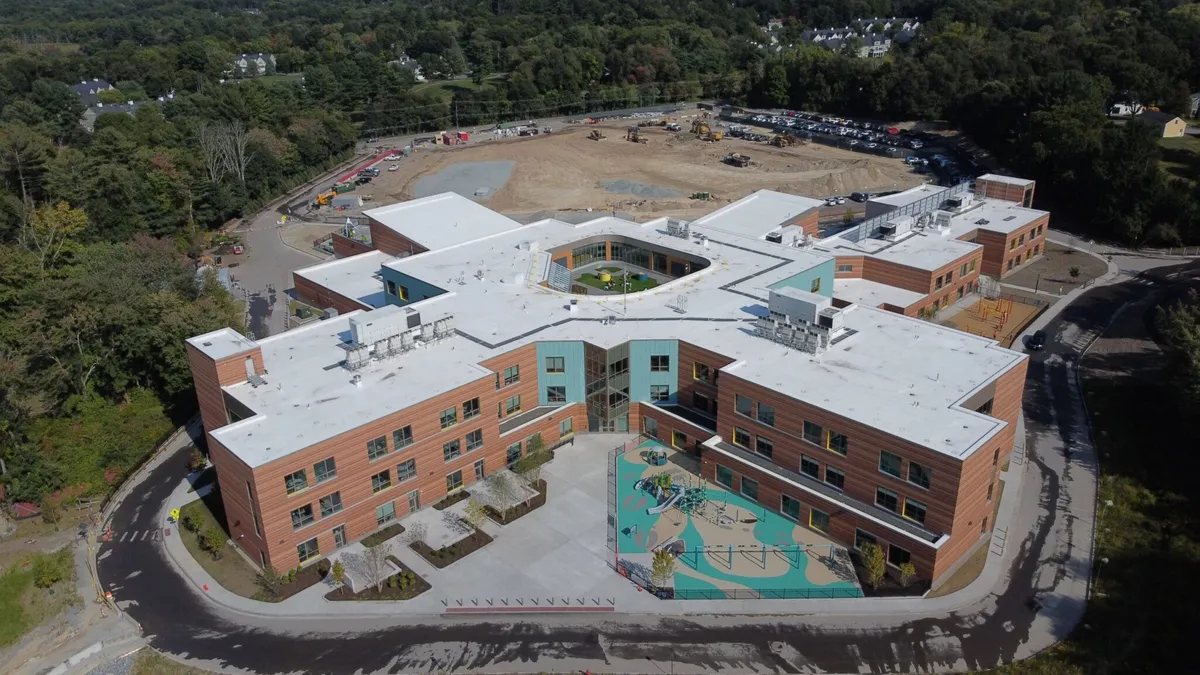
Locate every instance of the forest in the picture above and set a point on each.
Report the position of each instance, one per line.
(100, 229)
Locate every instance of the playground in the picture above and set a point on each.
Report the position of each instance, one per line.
(1002, 318)
(723, 545)
(608, 279)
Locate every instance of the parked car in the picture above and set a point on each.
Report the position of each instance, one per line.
(1036, 341)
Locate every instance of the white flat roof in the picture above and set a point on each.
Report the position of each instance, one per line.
(356, 277)
(997, 215)
(873, 294)
(927, 250)
(757, 214)
(221, 343)
(441, 221)
(1011, 180)
(910, 195)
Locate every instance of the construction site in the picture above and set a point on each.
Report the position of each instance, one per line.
(681, 167)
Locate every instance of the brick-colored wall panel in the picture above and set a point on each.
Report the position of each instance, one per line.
(320, 297)
(344, 247)
(391, 242)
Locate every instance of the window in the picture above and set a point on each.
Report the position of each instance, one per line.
(845, 268)
(1009, 265)
(986, 408)
(660, 392)
(512, 405)
(816, 285)
(1021, 240)
(385, 513)
(454, 481)
(835, 477)
(962, 271)
(996, 457)
(324, 470)
(914, 510)
(810, 467)
(679, 440)
(790, 507)
(763, 446)
(381, 481)
(750, 489)
(983, 526)
(302, 517)
(897, 556)
(1012, 244)
(766, 414)
(741, 437)
(619, 367)
(406, 470)
(919, 475)
(813, 432)
(566, 427)
(556, 394)
(451, 450)
(862, 538)
(949, 277)
(308, 550)
(479, 472)
(471, 408)
(701, 372)
(331, 504)
(1039, 230)
(743, 405)
(991, 486)
(295, 482)
(377, 448)
(838, 443)
(402, 438)
(253, 510)
(475, 440)
(937, 283)
(448, 417)
(650, 426)
(660, 363)
(556, 364)
(699, 401)
(887, 499)
(512, 375)
(391, 287)
(513, 454)
(972, 267)
(1037, 249)
(403, 292)
(889, 463)
(818, 520)
(725, 476)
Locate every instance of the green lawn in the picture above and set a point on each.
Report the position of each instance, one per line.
(231, 571)
(1181, 157)
(445, 89)
(24, 605)
(635, 286)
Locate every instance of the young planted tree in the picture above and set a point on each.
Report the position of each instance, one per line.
(375, 566)
(663, 570)
(1073, 270)
(875, 562)
(268, 581)
(908, 574)
(502, 490)
(338, 574)
(475, 514)
(212, 539)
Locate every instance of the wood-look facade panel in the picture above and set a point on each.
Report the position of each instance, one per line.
(210, 376)
(689, 356)
(900, 276)
(668, 425)
(392, 242)
(320, 297)
(345, 247)
(524, 358)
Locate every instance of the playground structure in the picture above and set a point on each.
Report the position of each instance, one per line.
(1001, 317)
(670, 493)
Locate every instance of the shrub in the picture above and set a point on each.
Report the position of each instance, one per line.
(1073, 270)
(338, 573)
(197, 461)
(908, 574)
(268, 581)
(51, 568)
(212, 539)
(875, 563)
(291, 575)
(393, 582)
(52, 510)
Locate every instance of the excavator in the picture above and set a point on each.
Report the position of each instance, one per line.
(635, 134)
(705, 133)
(596, 135)
(324, 198)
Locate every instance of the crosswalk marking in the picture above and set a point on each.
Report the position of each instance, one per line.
(139, 535)
(123, 535)
(145, 534)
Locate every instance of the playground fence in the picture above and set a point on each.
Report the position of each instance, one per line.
(761, 593)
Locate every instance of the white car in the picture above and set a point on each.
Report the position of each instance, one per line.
(394, 167)
(839, 200)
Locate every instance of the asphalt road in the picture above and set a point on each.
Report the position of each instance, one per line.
(176, 620)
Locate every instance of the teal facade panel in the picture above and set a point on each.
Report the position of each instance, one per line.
(804, 280)
(640, 376)
(572, 378)
(417, 290)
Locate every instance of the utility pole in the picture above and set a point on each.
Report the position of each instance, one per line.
(455, 104)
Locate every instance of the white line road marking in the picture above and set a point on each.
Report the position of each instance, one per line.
(145, 534)
(123, 535)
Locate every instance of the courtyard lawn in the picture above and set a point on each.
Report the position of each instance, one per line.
(1181, 157)
(635, 285)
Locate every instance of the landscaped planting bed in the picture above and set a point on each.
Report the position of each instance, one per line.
(513, 512)
(444, 557)
(293, 584)
(403, 585)
(377, 538)
(451, 500)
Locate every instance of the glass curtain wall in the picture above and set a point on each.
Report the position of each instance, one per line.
(607, 375)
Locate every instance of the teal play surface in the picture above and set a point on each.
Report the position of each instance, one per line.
(775, 566)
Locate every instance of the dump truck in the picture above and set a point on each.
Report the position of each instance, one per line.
(737, 159)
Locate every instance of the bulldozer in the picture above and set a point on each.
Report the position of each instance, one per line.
(635, 134)
(737, 159)
(596, 135)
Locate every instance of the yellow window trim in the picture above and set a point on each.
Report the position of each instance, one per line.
(811, 511)
(403, 291)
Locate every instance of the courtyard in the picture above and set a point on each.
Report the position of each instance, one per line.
(608, 277)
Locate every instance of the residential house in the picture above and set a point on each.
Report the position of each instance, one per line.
(253, 65)
(89, 90)
(1165, 125)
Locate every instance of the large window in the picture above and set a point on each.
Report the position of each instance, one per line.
(679, 440)
(766, 414)
(897, 556)
(588, 253)
(308, 550)
(448, 417)
(914, 510)
(725, 476)
(660, 363)
(295, 482)
(454, 481)
(385, 513)
(835, 477)
(475, 440)
(650, 426)
(451, 450)
(660, 392)
(763, 446)
(512, 404)
(302, 517)
(818, 520)
(566, 427)
(863, 538)
(512, 375)
(887, 499)
(743, 405)
(919, 475)
(377, 448)
(406, 470)
(324, 470)
(889, 463)
(750, 489)
(815, 286)
(699, 401)
(618, 367)
(813, 432)
(741, 437)
(556, 394)
(810, 467)
(513, 454)
(471, 408)
(331, 504)
(556, 364)
(402, 438)
(381, 481)
(790, 507)
(838, 443)
(701, 372)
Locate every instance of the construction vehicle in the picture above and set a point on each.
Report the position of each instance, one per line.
(672, 126)
(324, 198)
(737, 159)
(596, 135)
(712, 136)
(635, 134)
(700, 128)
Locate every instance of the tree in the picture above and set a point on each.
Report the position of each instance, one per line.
(875, 563)
(23, 151)
(663, 569)
(776, 86)
(475, 514)
(338, 574)
(502, 490)
(1180, 327)
(1073, 270)
(415, 533)
(376, 565)
(268, 581)
(196, 460)
(908, 574)
(848, 217)
(50, 229)
(212, 539)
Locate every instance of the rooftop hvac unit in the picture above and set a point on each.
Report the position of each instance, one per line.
(942, 220)
(954, 203)
(414, 319)
(329, 313)
(830, 318)
(887, 230)
(775, 237)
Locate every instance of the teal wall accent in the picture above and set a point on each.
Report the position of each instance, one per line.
(417, 290)
(572, 379)
(640, 377)
(804, 280)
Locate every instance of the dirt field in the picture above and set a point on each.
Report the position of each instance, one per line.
(565, 171)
